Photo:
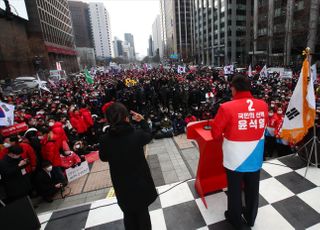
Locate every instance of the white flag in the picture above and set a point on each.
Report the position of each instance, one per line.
(250, 71)
(41, 84)
(6, 114)
(264, 72)
(300, 114)
(181, 69)
(314, 72)
(229, 69)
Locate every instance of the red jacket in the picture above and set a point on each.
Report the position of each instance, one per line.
(106, 106)
(78, 123)
(59, 133)
(69, 161)
(87, 117)
(3, 152)
(28, 152)
(278, 125)
(241, 122)
(50, 151)
(272, 122)
(189, 119)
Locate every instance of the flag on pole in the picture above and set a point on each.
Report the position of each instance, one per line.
(58, 64)
(301, 112)
(264, 72)
(314, 72)
(89, 78)
(41, 84)
(250, 71)
(6, 114)
(229, 69)
(181, 69)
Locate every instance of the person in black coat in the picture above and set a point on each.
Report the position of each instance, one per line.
(46, 183)
(122, 146)
(14, 177)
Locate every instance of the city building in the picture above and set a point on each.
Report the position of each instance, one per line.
(282, 29)
(128, 51)
(82, 33)
(222, 31)
(156, 35)
(129, 38)
(15, 54)
(101, 30)
(50, 35)
(177, 28)
(117, 47)
(150, 47)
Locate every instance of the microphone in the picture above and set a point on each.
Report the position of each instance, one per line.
(208, 126)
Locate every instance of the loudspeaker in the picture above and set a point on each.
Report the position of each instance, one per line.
(19, 215)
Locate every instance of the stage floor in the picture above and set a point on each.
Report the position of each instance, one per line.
(287, 201)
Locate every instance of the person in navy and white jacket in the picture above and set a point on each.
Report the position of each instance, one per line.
(242, 122)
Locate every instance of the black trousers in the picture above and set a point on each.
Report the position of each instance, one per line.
(139, 220)
(249, 181)
(269, 146)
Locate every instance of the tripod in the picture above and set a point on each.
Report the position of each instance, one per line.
(313, 151)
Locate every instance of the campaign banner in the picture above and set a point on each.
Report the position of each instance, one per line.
(77, 172)
(14, 129)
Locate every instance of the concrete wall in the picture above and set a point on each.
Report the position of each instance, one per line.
(15, 55)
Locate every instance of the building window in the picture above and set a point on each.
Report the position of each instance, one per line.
(299, 5)
(262, 32)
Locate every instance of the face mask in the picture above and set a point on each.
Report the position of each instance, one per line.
(51, 124)
(6, 145)
(279, 112)
(68, 153)
(77, 146)
(40, 137)
(15, 156)
(49, 169)
(270, 114)
(166, 119)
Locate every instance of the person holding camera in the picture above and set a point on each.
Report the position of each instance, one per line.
(122, 146)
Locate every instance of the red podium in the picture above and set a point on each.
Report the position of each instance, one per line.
(211, 174)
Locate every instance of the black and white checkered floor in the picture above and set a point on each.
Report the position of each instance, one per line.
(287, 201)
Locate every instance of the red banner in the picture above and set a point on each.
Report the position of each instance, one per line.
(60, 50)
(14, 129)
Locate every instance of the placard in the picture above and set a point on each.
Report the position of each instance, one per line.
(77, 172)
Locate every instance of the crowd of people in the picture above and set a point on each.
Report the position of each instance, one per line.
(65, 124)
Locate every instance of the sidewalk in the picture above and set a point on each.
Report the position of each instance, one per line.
(171, 160)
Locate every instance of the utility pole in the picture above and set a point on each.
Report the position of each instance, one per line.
(288, 29)
(270, 30)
